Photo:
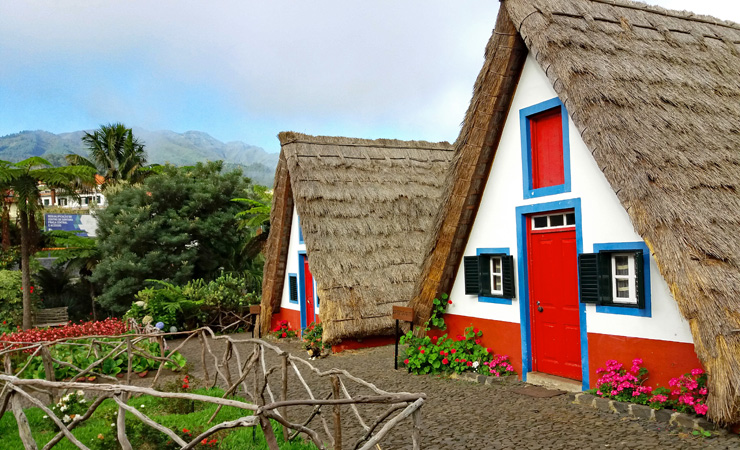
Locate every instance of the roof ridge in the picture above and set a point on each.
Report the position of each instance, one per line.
(654, 9)
(373, 145)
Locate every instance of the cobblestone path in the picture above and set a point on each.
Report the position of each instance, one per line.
(464, 415)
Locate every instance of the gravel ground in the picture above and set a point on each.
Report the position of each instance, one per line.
(464, 415)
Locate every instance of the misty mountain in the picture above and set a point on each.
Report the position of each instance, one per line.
(161, 146)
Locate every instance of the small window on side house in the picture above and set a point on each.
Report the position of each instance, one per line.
(612, 278)
(293, 288)
(489, 276)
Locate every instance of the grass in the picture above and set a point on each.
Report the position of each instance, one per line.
(98, 434)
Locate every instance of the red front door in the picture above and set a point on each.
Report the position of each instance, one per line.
(308, 290)
(553, 299)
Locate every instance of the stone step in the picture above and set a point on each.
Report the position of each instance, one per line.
(554, 382)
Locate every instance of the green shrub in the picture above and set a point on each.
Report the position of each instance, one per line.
(11, 298)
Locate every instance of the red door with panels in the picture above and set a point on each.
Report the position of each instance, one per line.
(308, 290)
(553, 295)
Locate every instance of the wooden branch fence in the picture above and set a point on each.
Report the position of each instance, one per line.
(260, 404)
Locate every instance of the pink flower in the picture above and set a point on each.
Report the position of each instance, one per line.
(696, 372)
(701, 409)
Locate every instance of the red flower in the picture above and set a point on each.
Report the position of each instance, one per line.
(421, 351)
(406, 361)
(185, 430)
(470, 363)
(477, 341)
(285, 334)
(441, 352)
(489, 350)
(475, 330)
(453, 351)
(434, 339)
(449, 302)
(445, 361)
(457, 359)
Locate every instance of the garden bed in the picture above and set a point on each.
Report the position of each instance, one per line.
(667, 416)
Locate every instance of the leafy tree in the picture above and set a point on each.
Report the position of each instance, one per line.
(114, 152)
(176, 226)
(24, 178)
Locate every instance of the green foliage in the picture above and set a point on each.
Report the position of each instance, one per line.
(313, 339)
(98, 434)
(438, 309)
(11, 300)
(432, 354)
(114, 152)
(192, 305)
(177, 226)
(81, 357)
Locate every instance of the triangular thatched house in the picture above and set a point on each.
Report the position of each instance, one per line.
(592, 210)
(361, 212)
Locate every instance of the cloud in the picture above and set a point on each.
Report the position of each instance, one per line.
(247, 69)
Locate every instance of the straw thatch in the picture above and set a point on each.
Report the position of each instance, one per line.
(655, 95)
(367, 209)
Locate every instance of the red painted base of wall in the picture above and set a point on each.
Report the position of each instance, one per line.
(663, 359)
(354, 344)
(504, 338)
(293, 317)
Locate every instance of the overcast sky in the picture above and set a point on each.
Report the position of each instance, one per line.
(247, 69)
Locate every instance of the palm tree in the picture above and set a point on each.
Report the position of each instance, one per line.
(114, 152)
(24, 178)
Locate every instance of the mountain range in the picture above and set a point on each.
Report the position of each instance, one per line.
(162, 146)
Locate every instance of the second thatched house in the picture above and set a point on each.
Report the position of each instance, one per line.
(592, 211)
(349, 223)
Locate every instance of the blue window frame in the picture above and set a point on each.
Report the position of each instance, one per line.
(629, 246)
(501, 300)
(293, 288)
(300, 231)
(524, 125)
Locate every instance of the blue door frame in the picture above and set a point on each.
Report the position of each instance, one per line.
(522, 213)
(302, 289)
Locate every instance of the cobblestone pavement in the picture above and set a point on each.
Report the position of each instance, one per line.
(464, 415)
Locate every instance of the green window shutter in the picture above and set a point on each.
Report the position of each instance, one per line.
(470, 268)
(640, 279)
(293, 280)
(588, 275)
(605, 278)
(507, 269)
(484, 275)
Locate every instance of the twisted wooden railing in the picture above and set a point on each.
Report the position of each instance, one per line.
(260, 407)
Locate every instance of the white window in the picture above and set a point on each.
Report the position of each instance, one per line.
(624, 278)
(46, 202)
(557, 220)
(62, 202)
(497, 276)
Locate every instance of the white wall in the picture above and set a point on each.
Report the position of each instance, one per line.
(292, 267)
(604, 220)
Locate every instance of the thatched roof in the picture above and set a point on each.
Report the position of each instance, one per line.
(366, 209)
(655, 95)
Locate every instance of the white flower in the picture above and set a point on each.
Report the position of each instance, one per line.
(66, 419)
(46, 417)
(80, 393)
(147, 320)
(82, 400)
(173, 329)
(113, 424)
(140, 304)
(476, 364)
(142, 406)
(63, 408)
